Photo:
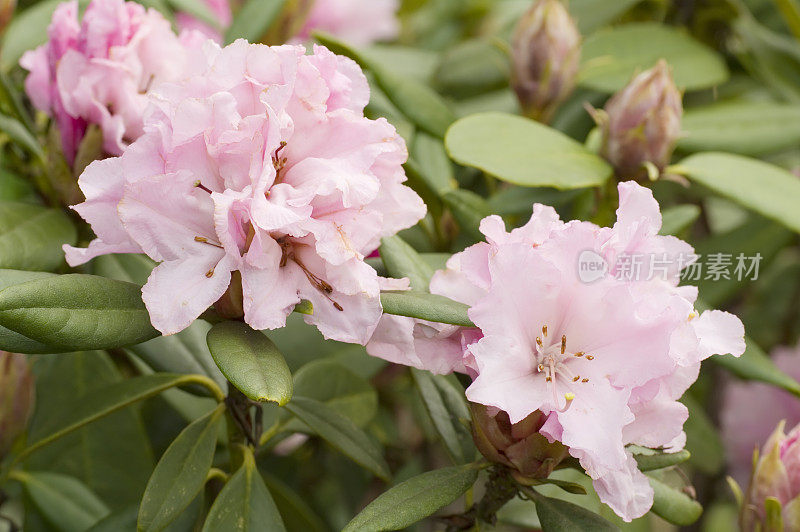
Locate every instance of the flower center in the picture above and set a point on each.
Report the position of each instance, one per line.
(288, 253)
(553, 360)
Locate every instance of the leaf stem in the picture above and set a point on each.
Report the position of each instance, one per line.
(791, 15)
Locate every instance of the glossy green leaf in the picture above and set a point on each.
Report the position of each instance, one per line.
(469, 209)
(12, 341)
(764, 188)
(418, 102)
(755, 365)
(128, 267)
(329, 382)
(448, 410)
(294, 510)
(181, 472)
(556, 515)
(650, 459)
(415, 499)
(244, 504)
(112, 455)
(104, 401)
(611, 57)
(65, 502)
(678, 218)
(674, 506)
(251, 362)
(253, 20)
(524, 152)
(473, 67)
(432, 162)
(18, 133)
(31, 236)
(747, 128)
(77, 312)
(593, 14)
(401, 260)
(426, 306)
(16, 188)
(341, 433)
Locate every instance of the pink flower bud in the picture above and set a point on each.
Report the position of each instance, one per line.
(6, 12)
(16, 398)
(776, 476)
(642, 122)
(519, 446)
(546, 50)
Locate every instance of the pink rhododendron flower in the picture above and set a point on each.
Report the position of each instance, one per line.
(261, 161)
(221, 10)
(604, 357)
(359, 22)
(98, 70)
(751, 410)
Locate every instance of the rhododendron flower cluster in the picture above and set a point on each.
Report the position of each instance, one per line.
(259, 162)
(359, 22)
(605, 358)
(98, 70)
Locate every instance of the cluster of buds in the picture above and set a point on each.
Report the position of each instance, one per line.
(772, 501)
(546, 50)
(642, 123)
(16, 398)
(520, 447)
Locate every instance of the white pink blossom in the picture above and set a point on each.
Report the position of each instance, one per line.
(359, 22)
(98, 70)
(262, 162)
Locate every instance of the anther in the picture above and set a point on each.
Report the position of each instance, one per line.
(544, 331)
(210, 273)
(549, 379)
(563, 344)
(538, 341)
(204, 240)
(579, 354)
(589, 357)
(585, 380)
(576, 378)
(540, 367)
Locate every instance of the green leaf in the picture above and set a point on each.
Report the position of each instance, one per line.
(77, 312)
(253, 20)
(12, 341)
(65, 502)
(612, 57)
(197, 9)
(425, 306)
(473, 67)
(341, 433)
(415, 499)
(126, 267)
(31, 236)
(329, 382)
(112, 455)
(105, 401)
(469, 209)
(524, 152)
(418, 102)
(593, 14)
(764, 188)
(244, 504)
(181, 472)
(678, 218)
(674, 506)
(747, 128)
(432, 163)
(16, 188)
(702, 439)
(556, 515)
(401, 260)
(449, 413)
(650, 459)
(20, 134)
(755, 365)
(251, 362)
(295, 511)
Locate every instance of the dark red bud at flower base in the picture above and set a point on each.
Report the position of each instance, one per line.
(519, 446)
(642, 123)
(545, 51)
(16, 398)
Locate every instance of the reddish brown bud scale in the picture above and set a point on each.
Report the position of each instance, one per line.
(16, 398)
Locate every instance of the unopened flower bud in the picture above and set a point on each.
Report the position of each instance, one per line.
(519, 446)
(545, 51)
(774, 493)
(6, 12)
(642, 123)
(16, 398)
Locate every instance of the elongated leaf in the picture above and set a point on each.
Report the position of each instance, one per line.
(755, 365)
(702, 439)
(338, 387)
(674, 506)
(19, 134)
(676, 219)
(764, 188)
(31, 236)
(524, 152)
(449, 412)
(251, 362)
(102, 402)
(418, 102)
(296, 513)
(66, 502)
(128, 267)
(469, 209)
(15, 188)
(593, 14)
(747, 128)
(12, 341)
(401, 260)
(181, 472)
(244, 504)
(425, 306)
(433, 164)
(341, 433)
(415, 499)
(471, 68)
(611, 57)
(77, 312)
(556, 515)
(196, 8)
(650, 459)
(253, 20)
